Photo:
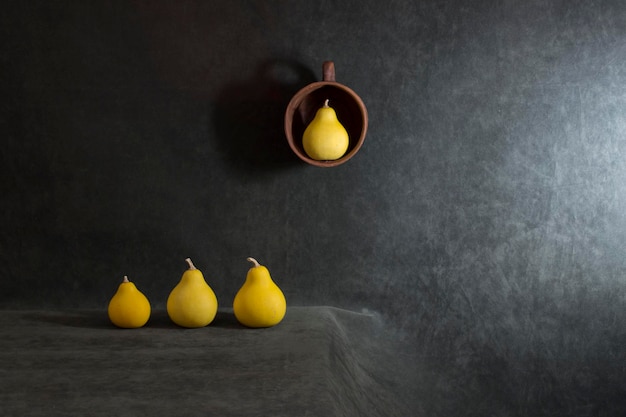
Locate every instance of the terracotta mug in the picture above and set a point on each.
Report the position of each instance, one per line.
(349, 107)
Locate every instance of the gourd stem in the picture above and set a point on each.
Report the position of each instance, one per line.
(254, 262)
(326, 103)
(125, 279)
(190, 263)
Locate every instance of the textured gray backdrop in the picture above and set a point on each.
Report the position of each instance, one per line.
(484, 219)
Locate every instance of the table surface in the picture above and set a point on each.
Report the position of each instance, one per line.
(319, 361)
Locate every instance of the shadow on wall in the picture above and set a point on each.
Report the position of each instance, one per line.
(249, 117)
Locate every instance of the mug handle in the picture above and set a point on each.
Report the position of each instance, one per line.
(328, 71)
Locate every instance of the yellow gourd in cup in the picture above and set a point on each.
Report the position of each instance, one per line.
(325, 138)
(259, 302)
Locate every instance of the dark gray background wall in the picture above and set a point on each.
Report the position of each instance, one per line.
(484, 218)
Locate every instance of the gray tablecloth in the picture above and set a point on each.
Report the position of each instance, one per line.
(320, 361)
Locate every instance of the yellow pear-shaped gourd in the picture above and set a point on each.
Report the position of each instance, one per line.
(128, 307)
(259, 302)
(325, 138)
(192, 303)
